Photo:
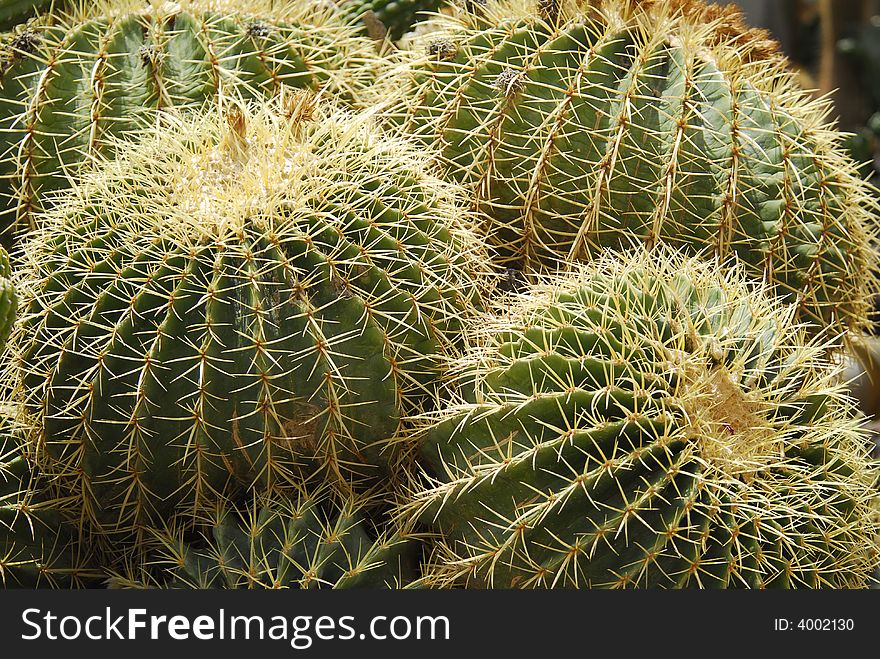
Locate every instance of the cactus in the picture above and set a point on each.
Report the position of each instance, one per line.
(37, 549)
(647, 422)
(8, 298)
(304, 540)
(69, 85)
(241, 299)
(620, 123)
(395, 18)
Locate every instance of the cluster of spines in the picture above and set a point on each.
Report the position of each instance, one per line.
(308, 538)
(38, 549)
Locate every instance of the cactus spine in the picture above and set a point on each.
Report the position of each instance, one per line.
(69, 86)
(613, 124)
(241, 299)
(648, 423)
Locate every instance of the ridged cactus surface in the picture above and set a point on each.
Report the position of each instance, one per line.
(242, 298)
(648, 423)
(304, 540)
(37, 549)
(69, 85)
(396, 16)
(622, 123)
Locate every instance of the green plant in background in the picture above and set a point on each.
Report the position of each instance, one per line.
(13, 12)
(307, 539)
(612, 124)
(647, 422)
(71, 84)
(864, 50)
(8, 298)
(241, 299)
(396, 17)
(37, 549)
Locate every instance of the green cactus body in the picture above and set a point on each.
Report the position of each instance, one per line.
(239, 298)
(648, 423)
(397, 17)
(37, 549)
(13, 12)
(68, 87)
(305, 540)
(585, 129)
(8, 298)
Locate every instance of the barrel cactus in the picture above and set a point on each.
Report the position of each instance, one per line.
(307, 539)
(37, 548)
(70, 84)
(240, 299)
(8, 298)
(647, 422)
(580, 128)
(396, 17)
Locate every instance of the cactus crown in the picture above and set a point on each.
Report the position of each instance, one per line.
(647, 422)
(245, 167)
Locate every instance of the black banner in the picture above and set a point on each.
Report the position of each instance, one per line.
(433, 623)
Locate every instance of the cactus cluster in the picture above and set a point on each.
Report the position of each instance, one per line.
(71, 84)
(545, 294)
(579, 130)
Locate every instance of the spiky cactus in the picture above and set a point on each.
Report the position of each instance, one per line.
(648, 423)
(37, 548)
(395, 18)
(8, 298)
(618, 123)
(242, 298)
(306, 539)
(70, 84)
